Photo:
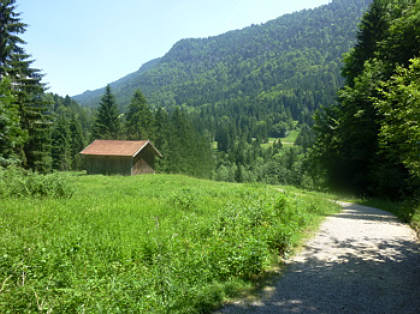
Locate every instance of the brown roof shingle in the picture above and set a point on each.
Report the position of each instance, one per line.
(116, 148)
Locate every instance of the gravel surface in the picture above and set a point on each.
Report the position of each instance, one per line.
(361, 261)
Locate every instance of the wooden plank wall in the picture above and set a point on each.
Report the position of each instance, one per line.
(108, 165)
(144, 162)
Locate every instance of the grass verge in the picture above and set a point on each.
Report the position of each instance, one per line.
(162, 243)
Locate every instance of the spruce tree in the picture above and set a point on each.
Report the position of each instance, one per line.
(139, 118)
(161, 138)
(61, 143)
(10, 28)
(107, 123)
(11, 135)
(27, 89)
(77, 141)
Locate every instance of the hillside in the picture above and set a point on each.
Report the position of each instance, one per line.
(294, 59)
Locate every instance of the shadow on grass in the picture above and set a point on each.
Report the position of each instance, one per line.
(382, 277)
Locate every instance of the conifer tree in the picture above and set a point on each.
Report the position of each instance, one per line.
(61, 144)
(107, 123)
(161, 137)
(11, 135)
(27, 89)
(77, 141)
(11, 26)
(139, 118)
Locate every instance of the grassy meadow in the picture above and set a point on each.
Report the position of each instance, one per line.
(156, 243)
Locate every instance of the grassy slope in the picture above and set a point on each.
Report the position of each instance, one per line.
(147, 243)
(287, 141)
(290, 139)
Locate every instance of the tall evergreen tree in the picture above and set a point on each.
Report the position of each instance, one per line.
(161, 137)
(61, 143)
(11, 135)
(10, 28)
(372, 30)
(27, 88)
(77, 141)
(107, 123)
(139, 118)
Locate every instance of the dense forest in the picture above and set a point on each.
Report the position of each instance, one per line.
(370, 141)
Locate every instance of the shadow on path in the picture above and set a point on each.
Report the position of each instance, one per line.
(369, 272)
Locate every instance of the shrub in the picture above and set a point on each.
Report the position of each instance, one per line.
(17, 182)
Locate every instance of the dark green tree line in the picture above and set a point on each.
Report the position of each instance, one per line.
(353, 136)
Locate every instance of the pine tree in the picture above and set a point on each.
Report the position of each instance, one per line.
(11, 136)
(107, 123)
(61, 143)
(161, 138)
(77, 141)
(139, 118)
(10, 27)
(27, 89)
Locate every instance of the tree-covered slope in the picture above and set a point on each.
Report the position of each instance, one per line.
(296, 55)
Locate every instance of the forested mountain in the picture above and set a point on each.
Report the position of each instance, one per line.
(291, 63)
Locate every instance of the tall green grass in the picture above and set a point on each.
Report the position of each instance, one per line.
(156, 244)
(16, 183)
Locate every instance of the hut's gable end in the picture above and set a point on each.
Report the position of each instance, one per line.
(144, 162)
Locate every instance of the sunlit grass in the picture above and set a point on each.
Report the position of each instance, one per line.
(156, 243)
(290, 139)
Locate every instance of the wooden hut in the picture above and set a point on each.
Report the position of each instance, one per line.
(120, 157)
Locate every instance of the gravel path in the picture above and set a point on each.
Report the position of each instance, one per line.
(361, 261)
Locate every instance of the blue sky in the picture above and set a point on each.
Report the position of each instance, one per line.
(85, 44)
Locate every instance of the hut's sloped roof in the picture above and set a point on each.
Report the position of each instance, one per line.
(117, 148)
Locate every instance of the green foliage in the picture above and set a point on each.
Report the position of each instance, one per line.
(17, 182)
(107, 123)
(184, 149)
(400, 107)
(139, 118)
(306, 137)
(10, 42)
(354, 142)
(11, 136)
(28, 91)
(158, 243)
(70, 129)
(77, 142)
(61, 144)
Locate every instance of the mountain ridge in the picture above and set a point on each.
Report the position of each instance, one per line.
(249, 61)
